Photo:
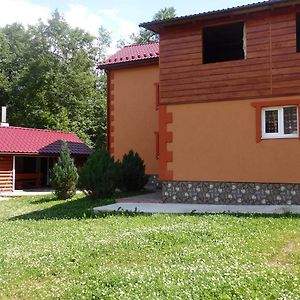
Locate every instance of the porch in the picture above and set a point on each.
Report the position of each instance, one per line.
(19, 173)
(32, 172)
(27, 192)
(25, 172)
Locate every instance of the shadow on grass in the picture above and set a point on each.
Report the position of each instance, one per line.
(46, 199)
(77, 208)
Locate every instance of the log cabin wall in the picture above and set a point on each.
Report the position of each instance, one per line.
(6, 173)
(271, 67)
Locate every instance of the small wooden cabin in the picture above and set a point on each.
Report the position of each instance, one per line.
(27, 155)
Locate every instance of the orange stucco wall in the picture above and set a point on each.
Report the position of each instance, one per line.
(135, 118)
(217, 142)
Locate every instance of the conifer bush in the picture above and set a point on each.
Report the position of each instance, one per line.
(132, 176)
(64, 175)
(98, 177)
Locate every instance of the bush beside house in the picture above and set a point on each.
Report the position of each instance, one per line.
(101, 175)
(132, 173)
(98, 177)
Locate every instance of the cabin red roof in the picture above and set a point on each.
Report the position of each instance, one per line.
(132, 54)
(18, 140)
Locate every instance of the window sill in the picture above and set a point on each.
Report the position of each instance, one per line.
(224, 61)
(280, 137)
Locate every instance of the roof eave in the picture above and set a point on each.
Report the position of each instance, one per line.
(157, 26)
(128, 63)
(44, 154)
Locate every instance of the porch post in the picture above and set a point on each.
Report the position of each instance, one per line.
(48, 181)
(14, 174)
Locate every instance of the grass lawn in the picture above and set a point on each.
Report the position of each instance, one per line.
(59, 250)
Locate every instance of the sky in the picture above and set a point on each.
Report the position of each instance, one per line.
(120, 18)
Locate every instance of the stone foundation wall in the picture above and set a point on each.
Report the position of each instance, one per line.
(153, 183)
(230, 193)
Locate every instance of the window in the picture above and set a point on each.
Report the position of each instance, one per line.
(280, 122)
(224, 43)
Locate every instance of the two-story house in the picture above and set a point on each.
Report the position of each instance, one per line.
(228, 116)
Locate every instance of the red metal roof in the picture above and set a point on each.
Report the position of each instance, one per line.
(133, 53)
(18, 140)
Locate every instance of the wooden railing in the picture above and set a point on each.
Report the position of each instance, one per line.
(6, 181)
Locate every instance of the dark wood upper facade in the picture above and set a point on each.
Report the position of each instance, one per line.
(271, 66)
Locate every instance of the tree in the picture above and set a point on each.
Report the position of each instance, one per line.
(146, 36)
(98, 177)
(103, 42)
(48, 78)
(14, 44)
(4, 58)
(64, 176)
(165, 13)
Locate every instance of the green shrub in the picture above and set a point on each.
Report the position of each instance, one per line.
(64, 176)
(132, 173)
(98, 177)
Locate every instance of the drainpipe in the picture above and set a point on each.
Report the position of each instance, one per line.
(108, 122)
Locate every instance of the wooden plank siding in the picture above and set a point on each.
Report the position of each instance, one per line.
(6, 173)
(271, 67)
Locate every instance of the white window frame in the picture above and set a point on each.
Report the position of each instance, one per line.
(280, 134)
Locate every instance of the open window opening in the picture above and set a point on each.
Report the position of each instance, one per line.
(298, 31)
(224, 43)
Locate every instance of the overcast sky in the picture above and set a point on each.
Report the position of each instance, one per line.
(121, 18)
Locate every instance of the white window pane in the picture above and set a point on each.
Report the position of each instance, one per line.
(271, 119)
(290, 120)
